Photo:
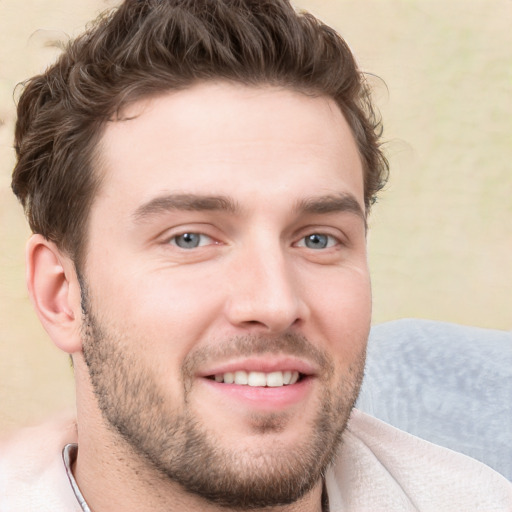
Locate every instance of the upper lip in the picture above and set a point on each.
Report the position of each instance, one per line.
(266, 364)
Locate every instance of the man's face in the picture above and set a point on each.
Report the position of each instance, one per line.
(228, 297)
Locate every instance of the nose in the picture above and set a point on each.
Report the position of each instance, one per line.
(264, 292)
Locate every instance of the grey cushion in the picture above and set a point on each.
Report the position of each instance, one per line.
(446, 383)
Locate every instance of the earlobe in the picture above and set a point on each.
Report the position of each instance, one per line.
(55, 292)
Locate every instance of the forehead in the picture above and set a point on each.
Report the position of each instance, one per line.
(228, 139)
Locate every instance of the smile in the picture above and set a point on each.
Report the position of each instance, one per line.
(273, 379)
(263, 384)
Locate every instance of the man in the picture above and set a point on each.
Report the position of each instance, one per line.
(198, 176)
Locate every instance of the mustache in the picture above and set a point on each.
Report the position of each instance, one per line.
(289, 344)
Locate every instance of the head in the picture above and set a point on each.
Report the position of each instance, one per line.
(146, 48)
(201, 171)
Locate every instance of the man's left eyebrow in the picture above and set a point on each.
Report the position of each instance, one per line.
(188, 202)
(333, 203)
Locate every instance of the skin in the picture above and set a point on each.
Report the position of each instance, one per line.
(286, 167)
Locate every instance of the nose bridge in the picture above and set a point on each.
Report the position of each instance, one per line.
(265, 292)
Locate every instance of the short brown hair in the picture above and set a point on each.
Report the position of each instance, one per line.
(146, 47)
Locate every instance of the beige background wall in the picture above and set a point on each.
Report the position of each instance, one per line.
(441, 235)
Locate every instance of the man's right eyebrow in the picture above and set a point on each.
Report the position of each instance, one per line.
(187, 202)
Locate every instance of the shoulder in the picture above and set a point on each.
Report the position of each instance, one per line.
(32, 473)
(382, 468)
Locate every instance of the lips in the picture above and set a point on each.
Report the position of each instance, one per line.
(267, 384)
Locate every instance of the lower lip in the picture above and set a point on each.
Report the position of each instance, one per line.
(263, 398)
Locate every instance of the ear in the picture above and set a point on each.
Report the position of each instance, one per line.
(55, 292)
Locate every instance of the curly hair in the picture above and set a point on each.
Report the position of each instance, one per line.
(148, 47)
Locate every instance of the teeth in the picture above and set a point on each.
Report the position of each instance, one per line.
(258, 379)
(275, 379)
(295, 378)
(241, 378)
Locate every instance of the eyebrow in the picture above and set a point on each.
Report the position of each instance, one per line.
(188, 202)
(343, 202)
(334, 203)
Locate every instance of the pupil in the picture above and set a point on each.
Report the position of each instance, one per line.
(187, 240)
(316, 241)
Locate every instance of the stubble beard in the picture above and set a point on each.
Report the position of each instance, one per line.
(180, 447)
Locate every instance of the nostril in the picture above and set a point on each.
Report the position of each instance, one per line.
(272, 325)
(266, 312)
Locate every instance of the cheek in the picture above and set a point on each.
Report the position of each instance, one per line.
(343, 313)
(168, 313)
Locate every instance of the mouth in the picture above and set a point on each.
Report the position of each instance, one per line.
(263, 391)
(267, 384)
(257, 379)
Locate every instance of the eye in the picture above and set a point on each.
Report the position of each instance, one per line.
(190, 240)
(317, 241)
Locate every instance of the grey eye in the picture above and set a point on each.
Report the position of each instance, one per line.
(316, 241)
(187, 240)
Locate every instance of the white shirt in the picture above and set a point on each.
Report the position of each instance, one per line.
(378, 469)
